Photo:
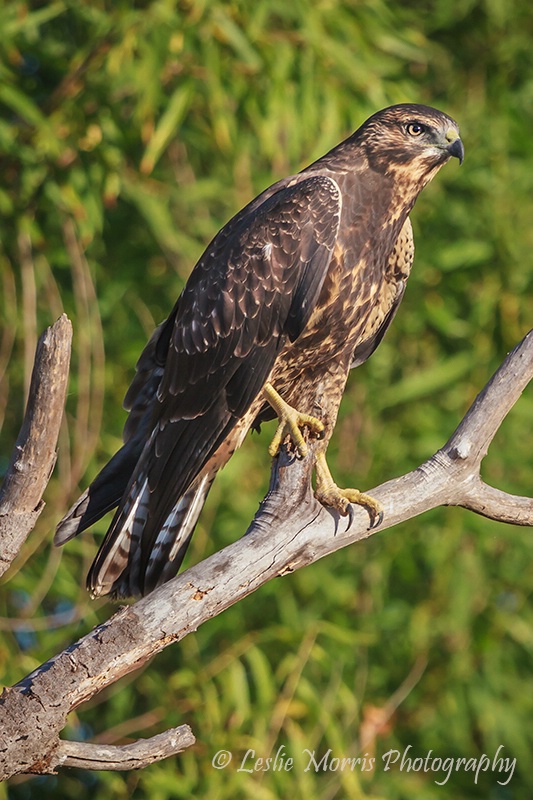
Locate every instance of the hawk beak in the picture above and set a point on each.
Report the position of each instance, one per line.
(455, 147)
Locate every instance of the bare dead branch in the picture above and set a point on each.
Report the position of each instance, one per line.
(128, 756)
(290, 530)
(34, 454)
(471, 440)
(484, 418)
(497, 505)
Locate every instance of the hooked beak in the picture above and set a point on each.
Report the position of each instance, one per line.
(455, 147)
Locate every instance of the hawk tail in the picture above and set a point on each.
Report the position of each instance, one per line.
(104, 494)
(126, 565)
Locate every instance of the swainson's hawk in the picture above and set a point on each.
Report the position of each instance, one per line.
(297, 288)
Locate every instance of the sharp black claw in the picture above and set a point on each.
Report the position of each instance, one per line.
(350, 517)
(375, 519)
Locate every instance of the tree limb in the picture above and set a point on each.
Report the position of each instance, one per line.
(136, 755)
(34, 454)
(290, 530)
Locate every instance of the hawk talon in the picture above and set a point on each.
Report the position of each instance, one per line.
(350, 517)
(290, 423)
(329, 494)
(375, 518)
(378, 519)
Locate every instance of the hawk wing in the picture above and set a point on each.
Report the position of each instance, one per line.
(108, 487)
(255, 286)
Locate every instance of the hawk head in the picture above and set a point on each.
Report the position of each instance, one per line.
(411, 138)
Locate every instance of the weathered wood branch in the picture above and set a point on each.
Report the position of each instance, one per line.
(34, 454)
(136, 755)
(290, 530)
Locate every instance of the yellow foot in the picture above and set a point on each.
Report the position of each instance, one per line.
(290, 422)
(329, 494)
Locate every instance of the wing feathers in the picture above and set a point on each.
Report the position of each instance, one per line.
(257, 283)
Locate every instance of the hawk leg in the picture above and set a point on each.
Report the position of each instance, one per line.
(290, 422)
(329, 494)
(326, 490)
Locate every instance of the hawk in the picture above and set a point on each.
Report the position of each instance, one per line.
(296, 289)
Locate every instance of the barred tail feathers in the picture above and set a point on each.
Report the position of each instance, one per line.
(122, 567)
(104, 493)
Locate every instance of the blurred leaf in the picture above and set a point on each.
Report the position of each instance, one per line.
(426, 382)
(167, 127)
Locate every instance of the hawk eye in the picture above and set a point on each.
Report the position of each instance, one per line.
(415, 129)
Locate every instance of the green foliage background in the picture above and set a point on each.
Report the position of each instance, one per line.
(129, 133)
